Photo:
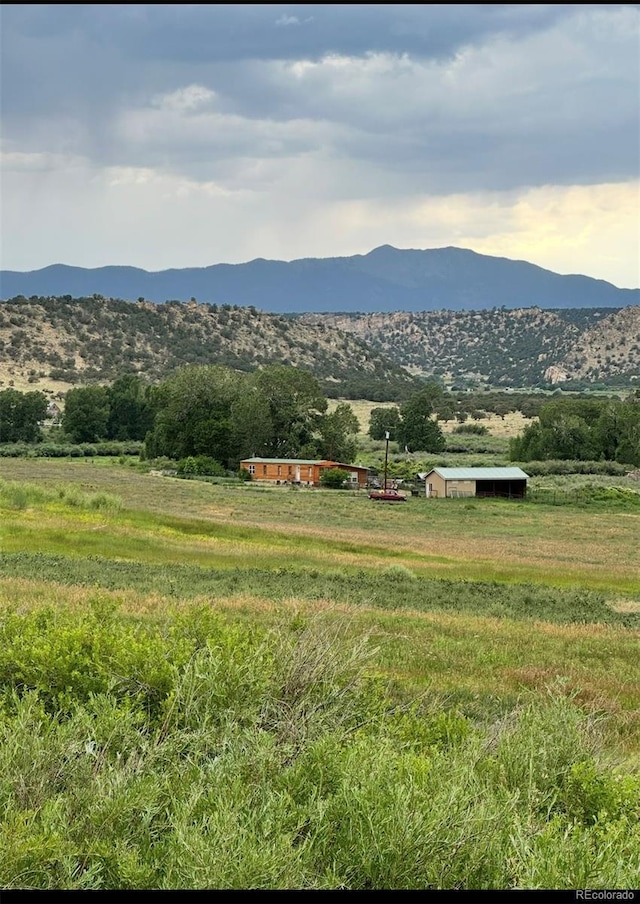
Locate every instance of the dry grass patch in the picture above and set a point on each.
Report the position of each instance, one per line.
(624, 605)
(480, 540)
(511, 425)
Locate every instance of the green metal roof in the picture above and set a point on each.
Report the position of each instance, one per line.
(301, 461)
(480, 473)
(283, 461)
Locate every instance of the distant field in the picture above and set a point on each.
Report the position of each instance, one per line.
(483, 598)
(511, 425)
(478, 539)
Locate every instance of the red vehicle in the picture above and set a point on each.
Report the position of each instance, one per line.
(387, 496)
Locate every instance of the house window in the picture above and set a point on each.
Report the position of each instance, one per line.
(264, 470)
(310, 472)
(252, 469)
(279, 470)
(289, 470)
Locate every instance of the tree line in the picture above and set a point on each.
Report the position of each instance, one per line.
(200, 410)
(281, 411)
(21, 414)
(583, 430)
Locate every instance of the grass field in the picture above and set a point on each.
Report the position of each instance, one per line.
(471, 610)
(464, 539)
(487, 557)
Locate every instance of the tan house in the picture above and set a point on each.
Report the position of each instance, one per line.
(510, 483)
(300, 471)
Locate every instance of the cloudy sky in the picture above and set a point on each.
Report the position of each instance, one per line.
(187, 135)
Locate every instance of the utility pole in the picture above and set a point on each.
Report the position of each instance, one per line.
(386, 458)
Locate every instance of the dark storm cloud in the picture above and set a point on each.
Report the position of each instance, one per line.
(443, 97)
(55, 56)
(205, 32)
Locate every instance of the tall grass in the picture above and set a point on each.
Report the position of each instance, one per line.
(21, 495)
(278, 760)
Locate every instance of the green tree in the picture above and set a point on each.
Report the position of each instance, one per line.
(130, 412)
(21, 415)
(251, 424)
(628, 448)
(418, 429)
(446, 410)
(194, 413)
(295, 404)
(86, 414)
(433, 394)
(382, 420)
(333, 478)
(338, 431)
(582, 430)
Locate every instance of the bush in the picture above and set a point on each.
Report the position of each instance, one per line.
(69, 450)
(189, 752)
(200, 465)
(478, 429)
(334, 478)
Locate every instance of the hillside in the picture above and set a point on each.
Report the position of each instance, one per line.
(385, 279)
(502, 348)
(54, 343)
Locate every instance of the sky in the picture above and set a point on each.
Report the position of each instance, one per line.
(163, 136)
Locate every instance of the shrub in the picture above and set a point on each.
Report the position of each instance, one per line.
(196, 465)
(478, 429)
(557, 466)
(334, 478)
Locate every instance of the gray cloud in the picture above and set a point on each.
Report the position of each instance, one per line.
(205, 32)
(497, 93)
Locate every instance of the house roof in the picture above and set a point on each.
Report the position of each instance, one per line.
(329, 463)
(282, 461)
(480, 473)
(324, 462)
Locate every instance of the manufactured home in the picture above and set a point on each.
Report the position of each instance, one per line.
(510, 483)
(300, 471)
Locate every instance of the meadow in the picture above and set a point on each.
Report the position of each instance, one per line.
(511, 424)
(218, 685)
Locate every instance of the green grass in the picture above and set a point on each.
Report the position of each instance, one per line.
(385, 589)
(191, 752)
(207, 686)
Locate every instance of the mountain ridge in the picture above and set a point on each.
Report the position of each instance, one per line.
(384, 279)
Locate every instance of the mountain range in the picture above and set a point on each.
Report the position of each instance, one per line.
(384, 280)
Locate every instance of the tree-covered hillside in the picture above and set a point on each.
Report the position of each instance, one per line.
(66, 341)
(56, 342)
(501, 348)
